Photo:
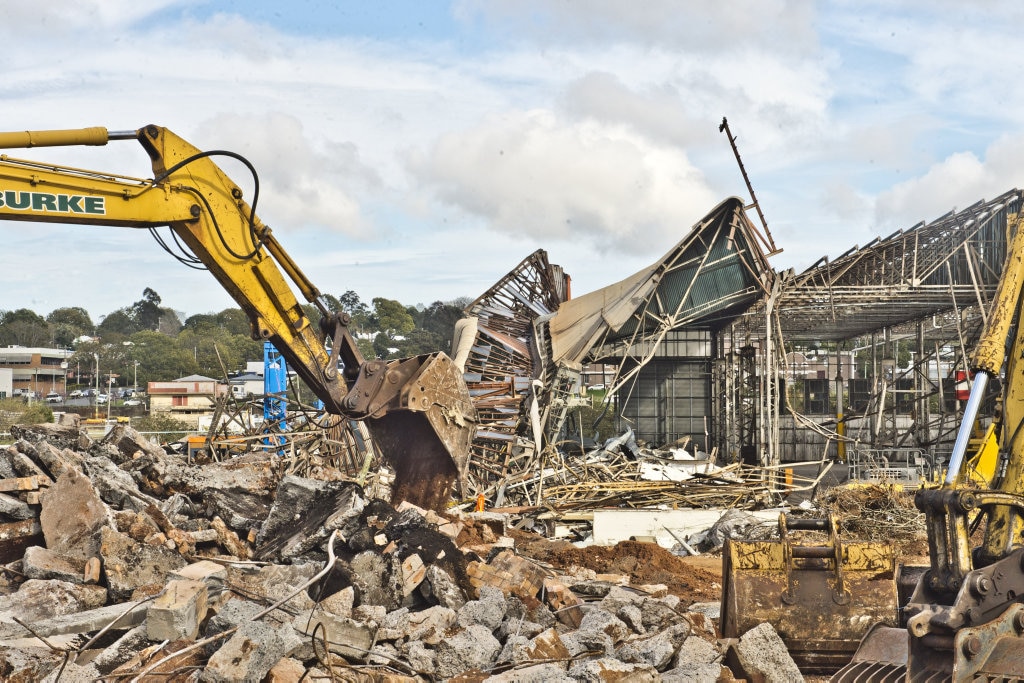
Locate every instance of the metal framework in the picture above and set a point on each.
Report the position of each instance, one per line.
(925, 290)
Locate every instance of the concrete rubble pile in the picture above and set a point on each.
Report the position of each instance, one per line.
(120, 561)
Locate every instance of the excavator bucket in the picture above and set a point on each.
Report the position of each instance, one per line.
(426, 430)
(821, 599)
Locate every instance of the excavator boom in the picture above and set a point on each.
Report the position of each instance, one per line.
(418, 409)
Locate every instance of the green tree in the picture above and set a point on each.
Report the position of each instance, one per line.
(68, 324)
(24, 327)
(116, 325)
(391, 317)
(146, 312)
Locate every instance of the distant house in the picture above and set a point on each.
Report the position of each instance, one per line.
(247, 385)
(187, 398)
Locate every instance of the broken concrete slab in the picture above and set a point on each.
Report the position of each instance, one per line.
(43, 563)
(472, 648)
(73, 516)
(349, 638)
(59, 435)
(129, 565)
(177, 612)
(762, 655)
(38, 599)
(116, 616)
(304, 514)
(14, 508)
(250, 652)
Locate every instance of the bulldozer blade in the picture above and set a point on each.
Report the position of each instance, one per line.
(821, 611)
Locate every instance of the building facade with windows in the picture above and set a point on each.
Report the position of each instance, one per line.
(187, 398)
(36, 369)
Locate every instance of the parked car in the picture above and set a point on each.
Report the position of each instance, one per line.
(54, 397)
(101, 399)
(77, 393)
(133, 402)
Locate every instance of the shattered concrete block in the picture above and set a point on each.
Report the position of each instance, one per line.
(56, 460)
(39, 599)
(712, 610)
(439, 588)
(15, 508)
(472, 648)
(305, 513)
(394, 625)
(761, 653)
(340, 603)
(633, 617)
(23, 463)
(700, 673)
(72, 673)
(276, 581)
(488, 611)
(129, 443)
(696, 652)
(657, 650)
(598, 619)
(430, 625)
(129, 565)
(177, 612)
(250, 652)
(419, 657)
(27, 665)
(547, 645)
(116, 616)
(608, 669)
(61, 436)
(212, 574)
(240, 510)
(379, 579)
(349, 638)
(42, 563)
(122, 649)
(538, 673)
(73, 516)
(115, 486)
(513, 651)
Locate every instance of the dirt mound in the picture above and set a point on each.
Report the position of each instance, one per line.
(643, 563)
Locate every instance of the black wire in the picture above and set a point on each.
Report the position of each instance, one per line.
(186, 259)
(254, 238)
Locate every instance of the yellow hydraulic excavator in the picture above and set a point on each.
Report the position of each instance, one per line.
(417, 409)
(965, 620)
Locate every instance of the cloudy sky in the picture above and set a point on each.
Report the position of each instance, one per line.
(419, 150)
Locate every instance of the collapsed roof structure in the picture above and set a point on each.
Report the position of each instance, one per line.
(524, 343)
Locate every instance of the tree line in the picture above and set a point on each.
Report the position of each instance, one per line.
(148, 342)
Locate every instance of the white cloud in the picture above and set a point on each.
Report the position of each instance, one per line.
(532, 173)
(959, 180)
(781, 25)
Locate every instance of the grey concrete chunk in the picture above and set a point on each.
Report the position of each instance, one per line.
(118, 616)
(39, 599)
(15, 508)
(608, 669)
(538, 673)
(695, 652)
(177, 612)
(129, 565)
(250, 653)
(73, 516)
(488, 611)
(472, 648)
(304, 513)
(42, 563)
(762, 653)
(439, 588)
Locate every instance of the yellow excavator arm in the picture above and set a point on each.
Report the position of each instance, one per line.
(418, 409)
